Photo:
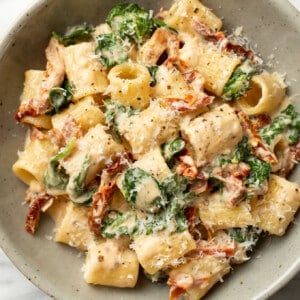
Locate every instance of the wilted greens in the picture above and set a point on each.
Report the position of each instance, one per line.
(239, 81)
(287, 122)
(76, 34)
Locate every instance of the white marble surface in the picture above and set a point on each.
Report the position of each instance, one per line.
(13, 285)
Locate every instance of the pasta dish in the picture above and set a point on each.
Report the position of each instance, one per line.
(158, 144)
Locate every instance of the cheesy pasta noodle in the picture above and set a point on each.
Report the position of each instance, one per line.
(158, 143)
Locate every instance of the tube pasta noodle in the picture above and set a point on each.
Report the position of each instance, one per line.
(73, 228)
(33, 84)
(84, 112)
(182, 12)
(222, 124)
(215, 214)
(115, 256)
(206, 269)
(215, 66)
(84, 71)
(158, 144)
(170, 83)
(280, 148)
(154, 163)
(42, 121)
(33, 161)
(129, 84)
(277, 209)
(150, 128)
(266, 94)
(98, 146)
(156, 252)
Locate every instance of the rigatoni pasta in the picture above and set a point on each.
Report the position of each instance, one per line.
(159, 251)
(111, 263)
(33, 161)
(129, 84)
(265, 96)
(85, 113)
(181, 13)
(149, 128)
(33, 84)
(84, 71)
(215, 214)
(276, 210)
(160, 144)
(222, 124)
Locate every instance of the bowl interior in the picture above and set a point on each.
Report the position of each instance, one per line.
(273, 27)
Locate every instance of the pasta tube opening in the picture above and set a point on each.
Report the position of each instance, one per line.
(280, 148)
(130, 85)
(266, 93)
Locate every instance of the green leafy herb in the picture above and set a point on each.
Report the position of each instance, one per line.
(242, 151)
(175, 187)
(75, 35)
(130, 25)
(239, 154)
(111, 49)
(239, 82)
(160, 23)
(113, 111)
(56, 177)
(142, 191)
(259, 169)
(287, 122)
(172, 147)
(117, 224)
(60, 97)
(129, 21)
(77, 190)
(172, 217)
(153, 70)
(248, 236)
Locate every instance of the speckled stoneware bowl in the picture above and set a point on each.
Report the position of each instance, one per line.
(273, 25)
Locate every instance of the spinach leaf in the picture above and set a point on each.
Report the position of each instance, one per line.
(171, 217)
(246, 235)
(129, 21)
(241, 152)
(142, 191)
(56, 177)
(76, 34)
(160, 23)
(117, 224)
(179, 198)
(174, 185)
(287, 122)
(77, 190)
(152, 70)
(111, 49)
(176, 189)
(172, 147)
(130, 25)
(239, 82)
(259, 169)
(113, 111)
(60, 97)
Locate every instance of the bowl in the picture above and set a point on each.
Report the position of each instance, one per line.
(273, 27)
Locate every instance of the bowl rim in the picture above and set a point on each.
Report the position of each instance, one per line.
(17, 24)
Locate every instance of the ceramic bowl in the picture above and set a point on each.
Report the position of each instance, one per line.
(273, 27)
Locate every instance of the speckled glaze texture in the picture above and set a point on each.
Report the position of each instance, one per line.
(273, 27)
